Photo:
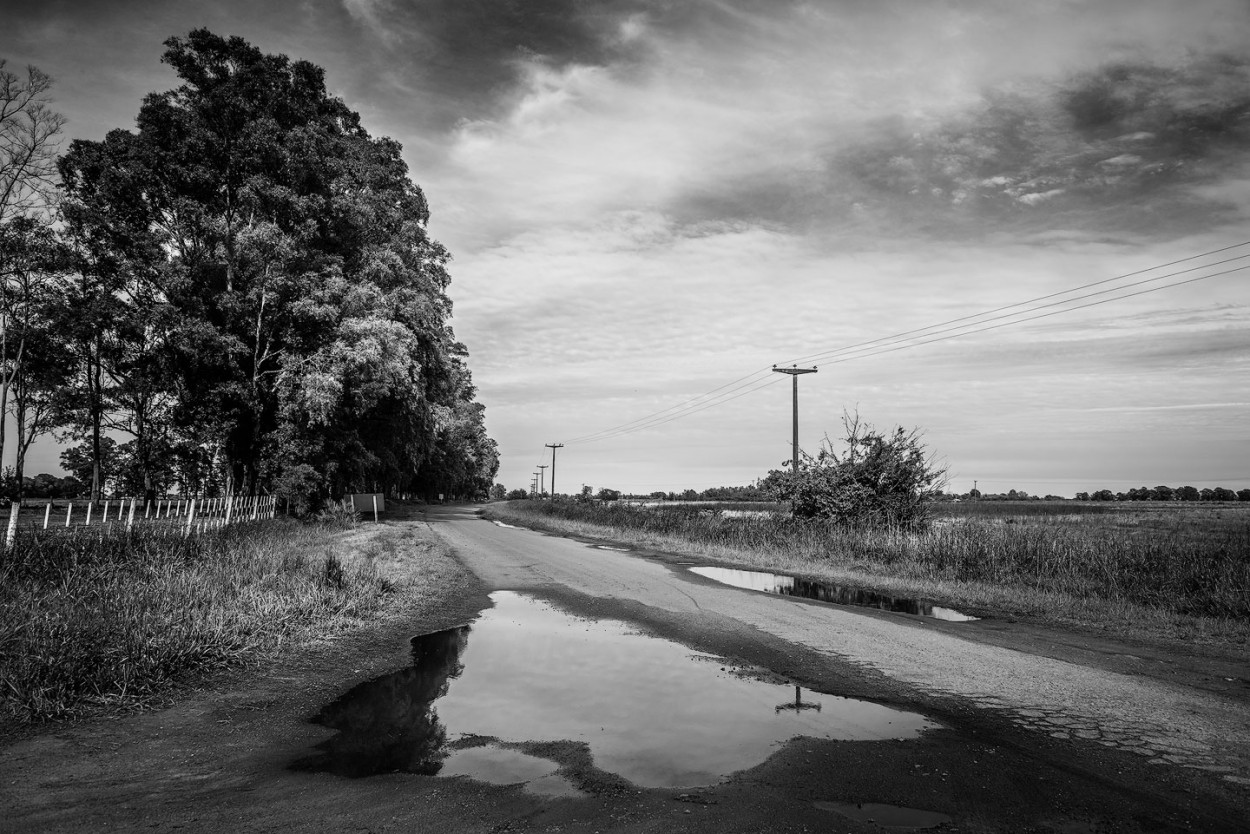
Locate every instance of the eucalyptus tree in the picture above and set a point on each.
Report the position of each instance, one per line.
(30, 132)
(33, 362)
(115, 311)
(279, 304)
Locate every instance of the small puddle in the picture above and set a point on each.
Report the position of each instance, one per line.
(775, 583)
(478, 699)
(889, 817)
(505, 766)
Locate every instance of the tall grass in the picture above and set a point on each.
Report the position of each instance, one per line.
(1193, 562)
(113, 618)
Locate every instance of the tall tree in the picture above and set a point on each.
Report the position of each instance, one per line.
(113, 303)
(274, 270)
(34, 365)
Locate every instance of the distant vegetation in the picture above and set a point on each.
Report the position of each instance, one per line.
(1184, 560)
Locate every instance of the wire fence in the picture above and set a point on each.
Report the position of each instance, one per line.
(188, 516)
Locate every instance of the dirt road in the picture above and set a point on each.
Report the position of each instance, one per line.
(1018, 741)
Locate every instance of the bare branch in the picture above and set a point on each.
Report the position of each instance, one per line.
(29, 140)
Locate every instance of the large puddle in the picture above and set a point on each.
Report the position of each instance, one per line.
(649, 710)
(775, 583)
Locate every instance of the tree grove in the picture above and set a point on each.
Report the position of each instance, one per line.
(253, 299)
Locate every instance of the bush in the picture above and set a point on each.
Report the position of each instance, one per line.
(879, 480)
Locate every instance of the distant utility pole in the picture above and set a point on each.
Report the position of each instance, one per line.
(534, 485)
(542, 479)
(553, 447)
(794, 372)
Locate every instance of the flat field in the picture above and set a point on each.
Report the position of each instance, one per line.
(1167, 570)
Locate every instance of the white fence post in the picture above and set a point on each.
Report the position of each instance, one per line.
(130, 519)
(47, 515)
(190, 517)
(14, 509)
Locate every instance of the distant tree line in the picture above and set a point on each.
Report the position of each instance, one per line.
(1166, 493)
(750, 492)
(1159, 493)
(241, 290)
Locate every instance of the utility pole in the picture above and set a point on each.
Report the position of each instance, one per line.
(553, 447)
(794, 373)
(542, 479)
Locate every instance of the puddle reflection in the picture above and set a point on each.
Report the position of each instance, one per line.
(389, 724)
(775, 583)
(649, 710)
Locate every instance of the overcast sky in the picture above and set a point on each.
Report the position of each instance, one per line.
(649, 199)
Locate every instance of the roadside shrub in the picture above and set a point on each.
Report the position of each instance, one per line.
(879, 480)
(338, 515)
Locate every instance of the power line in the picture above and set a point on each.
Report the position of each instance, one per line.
(645, 418)
(1034, 318)
(751, 382)
(933, 327)
(657, 420)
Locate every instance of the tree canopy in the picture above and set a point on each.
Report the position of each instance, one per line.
(255, 300)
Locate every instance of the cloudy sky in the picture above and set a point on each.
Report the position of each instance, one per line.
(650, 202)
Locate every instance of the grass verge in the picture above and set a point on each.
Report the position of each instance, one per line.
(115, 620)
(1170, 574)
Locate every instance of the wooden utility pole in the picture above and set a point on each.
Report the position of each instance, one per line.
(794, 373)
(542, 483)
(553, 447)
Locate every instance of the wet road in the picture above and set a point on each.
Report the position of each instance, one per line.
(1081, 708)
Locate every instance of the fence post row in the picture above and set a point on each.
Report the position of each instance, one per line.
(194, 514)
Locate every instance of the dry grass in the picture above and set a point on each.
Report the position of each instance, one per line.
(115, 619)
(1166, 571)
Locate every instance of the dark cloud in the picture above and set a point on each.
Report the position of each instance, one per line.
(1119, 149)
(468, 55)
(472, 46)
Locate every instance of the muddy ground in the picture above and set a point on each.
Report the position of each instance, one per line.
(220, 757)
